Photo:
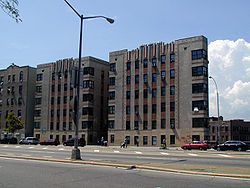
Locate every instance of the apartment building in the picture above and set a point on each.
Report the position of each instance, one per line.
(17, 89)
(159, 92)
(236, 129)
(55, 93)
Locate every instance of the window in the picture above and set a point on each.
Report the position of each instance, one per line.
(154, 126)
(59, 74)
(87, 111)
(13, 78)
(199, 88)
(145, 63)
(145, 93)
(53, 88)
(53, 76)
(136, 127)
(172, 90)
(38, 89)
(52, 113)
(127, 109)
(154, 93)
(145, 125)
(37, 125)
(154, 140)
(37, 113)
(199, 54)
(57, 125)
(52, 100)
(65, 87)
(163, 75)
(111, 110)
(145, 78)
(112, 67)
(127, 125)
(163, 107)
(87, 97)
(136, 64)
(58, 113)
(58, 100)
(154, 62)
(199, 71)
(163, 91)
(65, 100)
(111, 124)
(128, 65)
(88, 84)
(145, 109)
(172, 139)
(21, 76)
(128, 80)
(200, 122)
(12, 101)
(128, 139)
(88, 70)
(64, 126)
(20, 100)
(154, 108)
(145, 140)
(1, 79)
(172, 123)
(51, 126)
(38, 101)
(112, 138)
(136, 109)
(128, 94)
(19, 113)
(9, 78)
(163, 59)
(137, 79)
(201, 105)
(64, 112)
(172, 58)
(154, 77)
(8, 101)
(136, 94)
(172, 106)
(172, 74)
(163, 123)
(39, 77)
(65, 74)
(112, 95)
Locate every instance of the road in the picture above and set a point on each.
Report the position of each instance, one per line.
(28, 174)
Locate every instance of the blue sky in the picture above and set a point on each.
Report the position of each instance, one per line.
(50, 31)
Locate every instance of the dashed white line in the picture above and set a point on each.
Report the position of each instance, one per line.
(45, 148)
(117, 151)
(224, 155)
(163, 153)
(192, 154)
(31, 147)
(138, 152)
(5, 146)
(18, 146)
(96, 150)
(61, 149)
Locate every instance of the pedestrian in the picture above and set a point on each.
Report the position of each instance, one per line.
(102, 139)
(137, 142)
(164, 143)
(125, 142)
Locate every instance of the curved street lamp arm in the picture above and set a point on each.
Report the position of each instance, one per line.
(110, 20)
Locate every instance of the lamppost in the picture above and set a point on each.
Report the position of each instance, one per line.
(217, 93)
(75, 151)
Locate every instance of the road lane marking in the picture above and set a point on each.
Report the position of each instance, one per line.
(31, 147)
(224, 155)
(192, 154)
(138, 152)
(163, 153)
(18, 146)
(96, 151)
(117, 151)
(45, 148)
(61, 149)
(5, 146)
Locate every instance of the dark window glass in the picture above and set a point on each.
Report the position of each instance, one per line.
(145, 78)
(199, 88)
(136, 109)
(145, 109)
(137, 79)
(199, 54)
(145, 63)
(172, 139)
(154, 93)
(128, 94)
(172, 90)
(172, 74)
(20, 89)
(154, 62)
(39, 77)
(64, 99)
(145, 140)
(53, 88)
(127, 125)
(21, 76)
(112, 138)
(163, 107)
(199, 71)
(172, 123)
(163, 59)
(52, 100)
(154, 108)
(163, 123)
(145, 93)
(200, 122)
(88, 71)
(172, 58)
(53, 76)
(136, 94)
(65, 87)
(39, 89)
(89, 84)
(59, 87)
(201, 105)
(154, 125)
(87, 111)
(111, 124)
(154, 140)
(145, 125)
(128, 80)
(87, 97)
(58, 113)
(112, 67)
(136, 64)
(163, 75)
(172, 106)
(38, 101)
(58, 100)
(127, 109)
(163, 91)
(136, 126)
(37, 125)
(37, 113)
(111, 110)
(154, 77)
(128, 65)
(112, 95)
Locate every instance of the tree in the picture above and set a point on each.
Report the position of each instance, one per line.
(14, 123)
(10, 7)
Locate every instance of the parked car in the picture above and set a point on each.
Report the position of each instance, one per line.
(232, 145)
(196, 145)
(29, 140)
(70, 142)
(50, 142)
(8, 140)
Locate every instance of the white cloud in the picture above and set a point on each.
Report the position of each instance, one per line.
(229, 64)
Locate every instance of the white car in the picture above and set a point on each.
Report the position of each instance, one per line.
(29, 140)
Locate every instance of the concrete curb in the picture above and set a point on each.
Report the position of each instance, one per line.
(128, 166)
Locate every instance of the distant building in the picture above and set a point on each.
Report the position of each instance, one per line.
(54, 93)
(17, 89)
(159, 92)
(236, 129)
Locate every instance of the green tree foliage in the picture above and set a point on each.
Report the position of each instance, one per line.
(14, 123)
(10, 7)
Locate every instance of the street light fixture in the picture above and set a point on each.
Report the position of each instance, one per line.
(217, 93)
(75, 151)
